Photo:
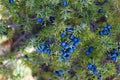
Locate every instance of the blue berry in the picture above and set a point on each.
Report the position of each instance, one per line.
(72, 37)
(114, 51)
(62, 52)
(91, 48)
(99, 78)
(11, 1)
(99, 75)
(76, 40)
(87, 53)
(40, 20)
(73, 48)
(75, 44)
(89, 66)
(101, 3)
(68, 30)
(42, 47)
(95, 72)
(105, 0)
(101, 32)
(51, 18)
(94, 67)
(62, 35)
(63, 44)
(100, 10)
(119, 54)
(114, 55)
(45, 50)
(25, 56)
(59, 73)
(113, 58)
(70, 50)
(5, 33)
(108, 26)
(66, 46)
(48, 51)
(67, 57)
(38, 50)
(104, 32)
(67, 52)
(47, 44)
(105, 29)
(65, 3)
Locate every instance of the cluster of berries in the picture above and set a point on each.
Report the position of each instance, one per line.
(113, 54)
(93, 68)
(90, 50)
(44, 48)
(106, 30)
(68, 48)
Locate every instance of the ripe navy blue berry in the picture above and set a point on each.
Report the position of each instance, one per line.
(101, 32)
(40, 20)
(75, 44)
(65, 3)
(114, 55)
(62, 35)
(48, 51)
(113, 58)
(114, 51)
(25, 56)
(91, 48)
(45, 50)
(42, 47)
(69, 30)
(47, 44)
(89, 66)
(51, 18)
(11, 1)
(72, 37)
(67, 57)
(95, 72)
(100, 10)
(59, 72)
(108, 26)
(38, 50)
(87, 53)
